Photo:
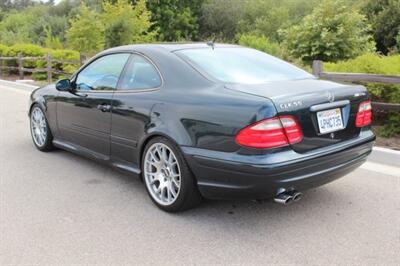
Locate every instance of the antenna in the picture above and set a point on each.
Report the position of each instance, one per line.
(211, 44)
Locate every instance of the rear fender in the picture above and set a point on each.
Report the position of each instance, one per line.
(208, 122)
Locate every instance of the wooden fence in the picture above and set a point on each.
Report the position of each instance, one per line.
(49, 60)
(318, 71)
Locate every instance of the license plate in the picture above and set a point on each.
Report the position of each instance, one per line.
(330, 120)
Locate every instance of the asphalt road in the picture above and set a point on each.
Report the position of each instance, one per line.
(59, 209)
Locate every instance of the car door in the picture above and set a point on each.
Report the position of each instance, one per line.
(136, 94)
(84, 117)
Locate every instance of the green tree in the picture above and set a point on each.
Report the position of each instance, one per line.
(45, 21)
(175, 19)
(126, 24)
(267, 17)
(86, 31)
(51, 41)
(269, 25)
(64, 8)
(331, 32)
(385, 18)
(16, 27)
(220, 19)
(29, 25)
(398, 41)
(16, 4)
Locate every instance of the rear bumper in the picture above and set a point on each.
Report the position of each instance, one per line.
(223, 175)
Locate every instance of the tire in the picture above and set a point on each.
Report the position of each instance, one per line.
(40, 126)
(164, 174)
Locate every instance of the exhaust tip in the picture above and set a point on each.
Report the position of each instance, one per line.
(297, 196)
(287, 197)
(283, 198)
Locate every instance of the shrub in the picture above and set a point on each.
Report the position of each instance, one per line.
(3, 49)
(26, 50)
(392, 127)
(331, 32)
(261, 43)
(67, 55)
(368, 63)
(376, 64)
(373, 64)
(29, 50)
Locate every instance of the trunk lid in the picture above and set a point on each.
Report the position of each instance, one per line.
(304, 99)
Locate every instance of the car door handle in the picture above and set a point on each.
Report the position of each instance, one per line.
(104, 107)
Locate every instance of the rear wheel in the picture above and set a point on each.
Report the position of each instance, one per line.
(40, 130)
(169, 181)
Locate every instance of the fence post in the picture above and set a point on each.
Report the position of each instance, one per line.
(317, 67)
(49, 68)
(82, 58)
(20, 66)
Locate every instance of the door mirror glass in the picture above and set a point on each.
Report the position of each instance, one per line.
(63, 85)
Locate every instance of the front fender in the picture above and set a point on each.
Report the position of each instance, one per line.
(36, 97)
(45, 98)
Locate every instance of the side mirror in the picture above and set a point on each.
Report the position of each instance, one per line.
(63, 85)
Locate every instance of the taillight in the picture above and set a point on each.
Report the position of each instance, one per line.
(271, 133)
(364, 114)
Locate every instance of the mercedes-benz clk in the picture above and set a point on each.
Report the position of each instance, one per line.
(206, 121)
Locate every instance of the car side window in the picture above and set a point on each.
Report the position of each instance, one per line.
(102, 74)
(140, 74)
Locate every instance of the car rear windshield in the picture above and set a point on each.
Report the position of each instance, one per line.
(241, 65)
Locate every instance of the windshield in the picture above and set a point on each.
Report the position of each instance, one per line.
(242, 65)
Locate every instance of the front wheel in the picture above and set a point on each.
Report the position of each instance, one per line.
(169, 181)
(40, 130)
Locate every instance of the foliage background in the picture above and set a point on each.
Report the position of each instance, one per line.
(353, 35)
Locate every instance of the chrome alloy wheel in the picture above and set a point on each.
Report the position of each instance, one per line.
(162, 174)
(38, 127)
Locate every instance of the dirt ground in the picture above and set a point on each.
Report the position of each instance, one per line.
(391, 143)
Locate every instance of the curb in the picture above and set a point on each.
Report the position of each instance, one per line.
(386, 150)
(18, 85)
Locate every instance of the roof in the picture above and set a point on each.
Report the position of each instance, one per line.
(169, 46)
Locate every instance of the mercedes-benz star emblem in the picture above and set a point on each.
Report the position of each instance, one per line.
(331, 97)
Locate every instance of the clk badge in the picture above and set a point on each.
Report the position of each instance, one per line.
(290, 105)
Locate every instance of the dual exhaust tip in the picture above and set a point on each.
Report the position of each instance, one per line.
(288, 197)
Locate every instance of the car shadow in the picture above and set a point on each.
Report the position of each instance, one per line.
(221, 212)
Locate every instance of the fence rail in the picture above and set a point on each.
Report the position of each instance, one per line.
(318, 71)
(48, 59)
